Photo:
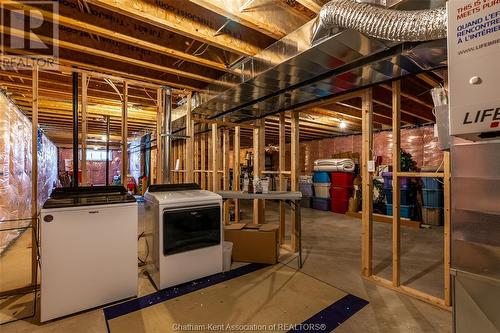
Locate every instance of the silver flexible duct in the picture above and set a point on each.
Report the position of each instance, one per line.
(387, 24)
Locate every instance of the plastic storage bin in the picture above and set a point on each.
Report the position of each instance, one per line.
(432, 183)
(432, 198)
(306, 189)
(405, 211)
(306, 202)
(339, 206)
(404, 182)
(321, 177)
(321, 204)
(405, 195)
(341, 193)
(342, 179)
(322, 190)
(432, 215)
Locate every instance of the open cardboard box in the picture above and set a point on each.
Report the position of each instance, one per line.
(256, 243)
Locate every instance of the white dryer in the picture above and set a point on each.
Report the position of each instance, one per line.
(186, 224)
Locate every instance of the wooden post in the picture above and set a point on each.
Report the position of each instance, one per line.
(447, 229)
(258, 167)
(225, 168)
(236, 172)
(196, 159)
(84, 128)
(396, 157)
(203, 154)
(34, 175)
(367, 184)
(295, 158)
(282, 179)
(215, 158)
(159, 138)
(210, 178)
(125, 133)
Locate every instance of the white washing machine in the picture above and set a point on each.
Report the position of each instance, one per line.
(88, 249)
(186, 225)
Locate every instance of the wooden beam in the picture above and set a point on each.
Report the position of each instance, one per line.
(181, 18)
(104, 31)
(84, 128)
(102, 50)
(215, 158)
(282, 179)
(125, 167)
(367, 184)
(312, 5)
(396, 162)
(272, 20)
(295, 172)
(236, 171)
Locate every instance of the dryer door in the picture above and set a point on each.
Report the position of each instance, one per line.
(191, 228)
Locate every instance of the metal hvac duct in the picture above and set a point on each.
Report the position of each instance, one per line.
(167, 131)
(379, 22)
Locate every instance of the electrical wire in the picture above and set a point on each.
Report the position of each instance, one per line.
(143, 262)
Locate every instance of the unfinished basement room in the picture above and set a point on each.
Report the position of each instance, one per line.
(249, 166)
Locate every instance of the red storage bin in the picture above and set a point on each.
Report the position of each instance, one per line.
(339, 206)
(341, 193)
(342, 179)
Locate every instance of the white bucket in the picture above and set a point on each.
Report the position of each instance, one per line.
(227, 251)
(322, 190)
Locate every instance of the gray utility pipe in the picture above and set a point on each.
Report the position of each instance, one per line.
(167, 131)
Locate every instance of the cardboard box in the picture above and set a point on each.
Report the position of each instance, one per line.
(256, 243)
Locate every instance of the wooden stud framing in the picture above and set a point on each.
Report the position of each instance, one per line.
(189, 156)
(236, 172)
(295, 171)
(215, 159)
(258, 167)
(282, 179)
(159, 143)
(210, 183)
(203, 174)
(84, 129)
(396, 162)
(125, 133)
(34, 176)
(225, 167)
(367, 185)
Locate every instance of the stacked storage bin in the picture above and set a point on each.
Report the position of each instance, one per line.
(341, 191)
(433, 201)
(321, 198)
(406, 196)
(306, 188)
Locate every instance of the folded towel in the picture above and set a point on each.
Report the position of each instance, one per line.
(334, 165)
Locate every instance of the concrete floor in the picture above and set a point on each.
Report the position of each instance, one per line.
(332, 254)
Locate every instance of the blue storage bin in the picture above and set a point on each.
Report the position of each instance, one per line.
(406, 197)
(321, 177)
(432, 198)
(321, 204)
(432, 183)
(404, 182)
(404, 211)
